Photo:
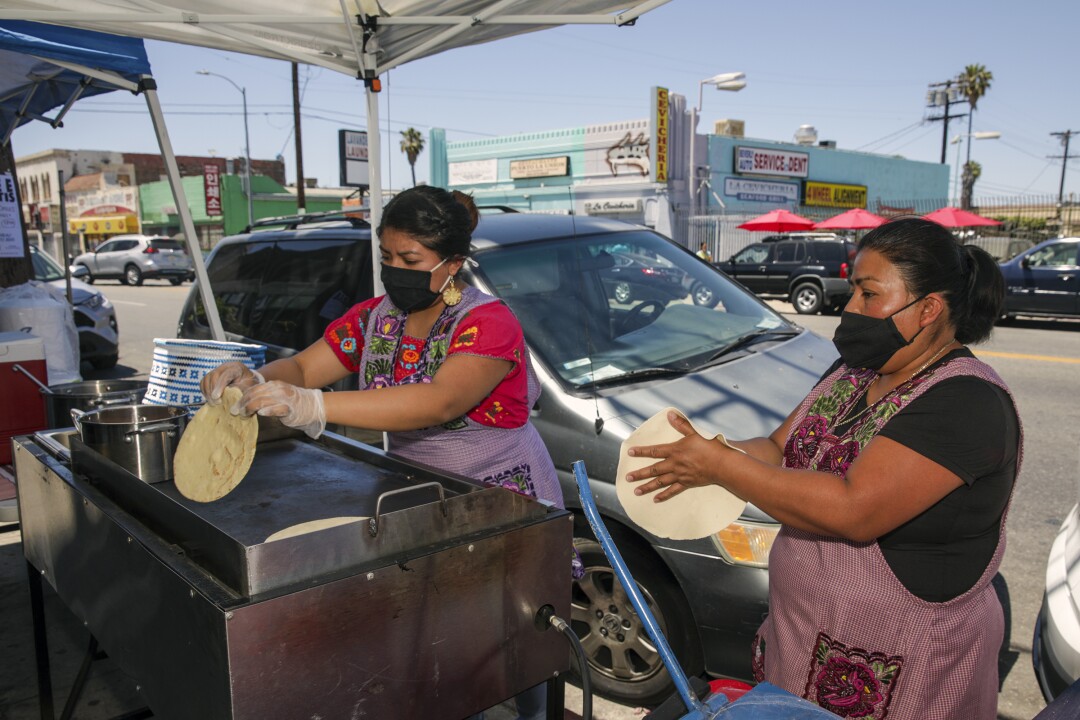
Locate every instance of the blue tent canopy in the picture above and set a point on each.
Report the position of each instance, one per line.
(44, 67)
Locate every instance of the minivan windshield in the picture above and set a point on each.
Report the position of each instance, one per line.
(612, 308)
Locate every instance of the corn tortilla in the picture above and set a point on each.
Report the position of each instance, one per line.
(692, 514)
(215, 451)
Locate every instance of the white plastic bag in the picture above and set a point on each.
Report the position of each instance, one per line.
(44, 311)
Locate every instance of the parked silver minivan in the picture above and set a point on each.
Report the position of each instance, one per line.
(613, 341)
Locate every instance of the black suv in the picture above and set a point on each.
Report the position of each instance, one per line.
(607, 360)
(809, 269)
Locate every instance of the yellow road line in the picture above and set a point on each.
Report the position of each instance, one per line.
(1026, 356)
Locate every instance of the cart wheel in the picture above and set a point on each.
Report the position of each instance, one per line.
(624, 664)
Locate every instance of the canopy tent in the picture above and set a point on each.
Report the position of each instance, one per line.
(853, 219)
(953, 217)
(45, 67)
(777, 221)
(363, 38)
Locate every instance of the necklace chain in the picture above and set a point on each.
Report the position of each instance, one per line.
(847, 418)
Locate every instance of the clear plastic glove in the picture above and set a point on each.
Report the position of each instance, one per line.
(237, 374)
(296, 407)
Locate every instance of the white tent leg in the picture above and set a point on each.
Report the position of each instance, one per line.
(149, 88)
(374, 184)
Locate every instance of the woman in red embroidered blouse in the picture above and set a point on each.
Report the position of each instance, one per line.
(443, 369)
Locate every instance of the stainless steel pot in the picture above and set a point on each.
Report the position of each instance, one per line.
(60, 400)
(140, 438)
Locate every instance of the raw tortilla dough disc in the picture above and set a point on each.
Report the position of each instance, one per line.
(694, 513)
(311, 526)
(215, 450)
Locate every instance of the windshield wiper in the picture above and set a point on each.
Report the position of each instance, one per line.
(632, 375)
(748, 339)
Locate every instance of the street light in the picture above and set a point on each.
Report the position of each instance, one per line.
(247, 145)
(731, 82)
(980, 135)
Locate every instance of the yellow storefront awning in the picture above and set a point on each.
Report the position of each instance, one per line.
(104, 225)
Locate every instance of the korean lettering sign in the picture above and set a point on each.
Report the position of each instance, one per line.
(212, 189)
(766, 161)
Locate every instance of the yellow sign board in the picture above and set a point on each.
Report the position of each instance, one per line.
(834, 195)
(660, 134)
(540, 167)
(104, 225)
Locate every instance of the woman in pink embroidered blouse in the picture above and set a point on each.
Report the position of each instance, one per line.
(892, 481)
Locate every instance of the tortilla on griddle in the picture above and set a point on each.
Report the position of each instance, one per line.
(215, 451)
(312, 526)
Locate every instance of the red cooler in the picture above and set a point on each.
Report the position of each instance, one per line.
(22, 406)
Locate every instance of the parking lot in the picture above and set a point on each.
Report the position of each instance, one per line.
(1039, 359)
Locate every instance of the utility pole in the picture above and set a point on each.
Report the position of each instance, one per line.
(301, 199)
(936, 97)
(1065, 135)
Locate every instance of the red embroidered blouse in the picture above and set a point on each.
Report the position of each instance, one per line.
(490, 330)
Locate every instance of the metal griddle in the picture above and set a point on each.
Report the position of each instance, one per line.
(425, 610)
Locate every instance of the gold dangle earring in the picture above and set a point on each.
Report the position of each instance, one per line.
(451, 295)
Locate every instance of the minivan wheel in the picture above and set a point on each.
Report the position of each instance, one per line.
(624, 664)
(88, 278)
(623, 294)
(807, 298)
(132, 275)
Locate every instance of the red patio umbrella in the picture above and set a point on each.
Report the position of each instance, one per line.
(853, 219)
(778, 221)
(955, 217)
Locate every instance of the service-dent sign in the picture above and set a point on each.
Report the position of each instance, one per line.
(765, 161)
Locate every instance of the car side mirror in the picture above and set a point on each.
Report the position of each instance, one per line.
(79, 271)
(1025, 262)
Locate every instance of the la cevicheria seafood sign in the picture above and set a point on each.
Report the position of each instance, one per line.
(765, 161)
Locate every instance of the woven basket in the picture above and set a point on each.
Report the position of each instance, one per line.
(179, 365)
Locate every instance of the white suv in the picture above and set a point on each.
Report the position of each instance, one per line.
(134, 258)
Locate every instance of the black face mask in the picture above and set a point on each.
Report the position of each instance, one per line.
(868, 342)
(409, 290)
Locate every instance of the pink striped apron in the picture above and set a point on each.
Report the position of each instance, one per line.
(842, 630)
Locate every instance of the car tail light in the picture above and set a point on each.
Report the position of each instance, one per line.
(843, 270)
(150, 250)
(648, 271)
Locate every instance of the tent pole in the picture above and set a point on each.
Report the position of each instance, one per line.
(149, 89)
(374, 185)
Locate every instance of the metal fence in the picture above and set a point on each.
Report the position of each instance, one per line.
(1026, 220)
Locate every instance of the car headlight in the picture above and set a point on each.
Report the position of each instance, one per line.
(94, 301)
(746, 543)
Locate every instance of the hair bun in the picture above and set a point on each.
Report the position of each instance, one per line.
(470, 207)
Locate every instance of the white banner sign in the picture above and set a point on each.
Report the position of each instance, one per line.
(11, 234)
(764, 191)
(613, 206)
(471, 172)
(765, 161)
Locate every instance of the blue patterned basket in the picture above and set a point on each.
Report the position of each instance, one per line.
(179, 365)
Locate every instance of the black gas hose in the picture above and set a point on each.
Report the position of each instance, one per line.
(546, 617)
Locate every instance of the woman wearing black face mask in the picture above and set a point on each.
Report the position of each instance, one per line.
(443, 368)
(892, 480)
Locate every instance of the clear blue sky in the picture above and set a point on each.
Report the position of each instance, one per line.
(857, 71)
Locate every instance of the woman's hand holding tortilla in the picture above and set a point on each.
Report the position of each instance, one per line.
(687, 463)
(236, 374)
(296, 407)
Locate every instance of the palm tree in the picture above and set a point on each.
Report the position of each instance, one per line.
(412, 144)
(974, 82)
(972, 171)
